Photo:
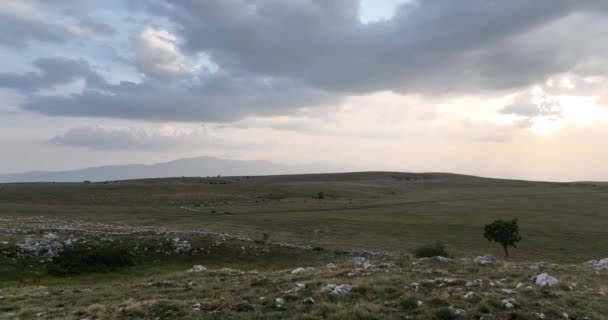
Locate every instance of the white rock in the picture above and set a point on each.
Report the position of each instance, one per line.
(468, 295)
(507, 291)
(419, 303)
(309, 300)
(485, 260)
(335, 289)
(519, 285)
(279, 301)
(197, 268)
(545, 280)
(458, 312)
(331, 266)
(298, 287)
(508, 303)
(469, 284)
(298, 270)
(565, 316)
(441, 259)
(598, 264)
(539, 315)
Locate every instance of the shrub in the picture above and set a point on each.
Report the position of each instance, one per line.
(77, 260)
(431, 250)
(321, 195)
(408, 304)
(444, 314)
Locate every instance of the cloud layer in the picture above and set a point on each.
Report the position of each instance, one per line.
(271, 57)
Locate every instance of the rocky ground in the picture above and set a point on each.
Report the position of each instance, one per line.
(220, 276)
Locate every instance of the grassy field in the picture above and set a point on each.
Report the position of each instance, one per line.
(121, 250)
(386, 211)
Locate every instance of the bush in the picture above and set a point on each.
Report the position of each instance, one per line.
(77, 260)
(431, 250)
(408, 303)
(444, 314)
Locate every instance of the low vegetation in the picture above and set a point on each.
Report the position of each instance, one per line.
(432, 250)
(377, 248)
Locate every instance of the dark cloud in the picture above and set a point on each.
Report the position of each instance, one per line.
(276, 56)
(51, 72)
(428, 46)
(17, 31)
(217, 98)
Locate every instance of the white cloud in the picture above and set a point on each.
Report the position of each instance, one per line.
(157, 53)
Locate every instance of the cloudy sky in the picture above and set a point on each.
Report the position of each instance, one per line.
(489, 87)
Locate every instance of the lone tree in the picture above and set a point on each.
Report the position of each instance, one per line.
(504, 232)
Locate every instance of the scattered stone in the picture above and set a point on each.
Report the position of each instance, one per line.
(519, 285)
(181, 246)
(197, 268)
(419, 303)
(309, 301)
(39, 314)
(298, 270)
(469, 284)
(441, 259)
(545, 280)
(299, 287)
(335, 289)
(458, 312)
(331, 266)
(485, 260)
(361, 262)
(279, 301)
(469, 295)
(507, 291)
(598, 264)
(565, 316)
(508, 303)
(539, 315)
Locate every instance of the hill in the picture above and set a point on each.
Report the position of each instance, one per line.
(388, 211)
(199, 166)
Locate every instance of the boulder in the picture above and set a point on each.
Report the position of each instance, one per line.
(545, 280)
(485, 260)
(197, 268)
(361, 262)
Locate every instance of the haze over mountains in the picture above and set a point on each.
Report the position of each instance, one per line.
(199, 166)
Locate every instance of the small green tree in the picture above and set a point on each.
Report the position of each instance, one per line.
(506, 233)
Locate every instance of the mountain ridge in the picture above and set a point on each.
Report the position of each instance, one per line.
(195, 166)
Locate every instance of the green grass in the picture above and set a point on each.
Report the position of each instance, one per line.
(378, 293)
(379, 211)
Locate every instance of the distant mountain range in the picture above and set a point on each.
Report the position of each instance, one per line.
(200, 166)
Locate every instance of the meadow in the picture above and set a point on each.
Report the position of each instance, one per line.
(386, 211)
(268, 247)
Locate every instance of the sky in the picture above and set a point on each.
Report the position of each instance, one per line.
(514, 89)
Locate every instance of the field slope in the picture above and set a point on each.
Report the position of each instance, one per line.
(387, 211)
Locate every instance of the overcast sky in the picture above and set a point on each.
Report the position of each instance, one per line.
(489, 87)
